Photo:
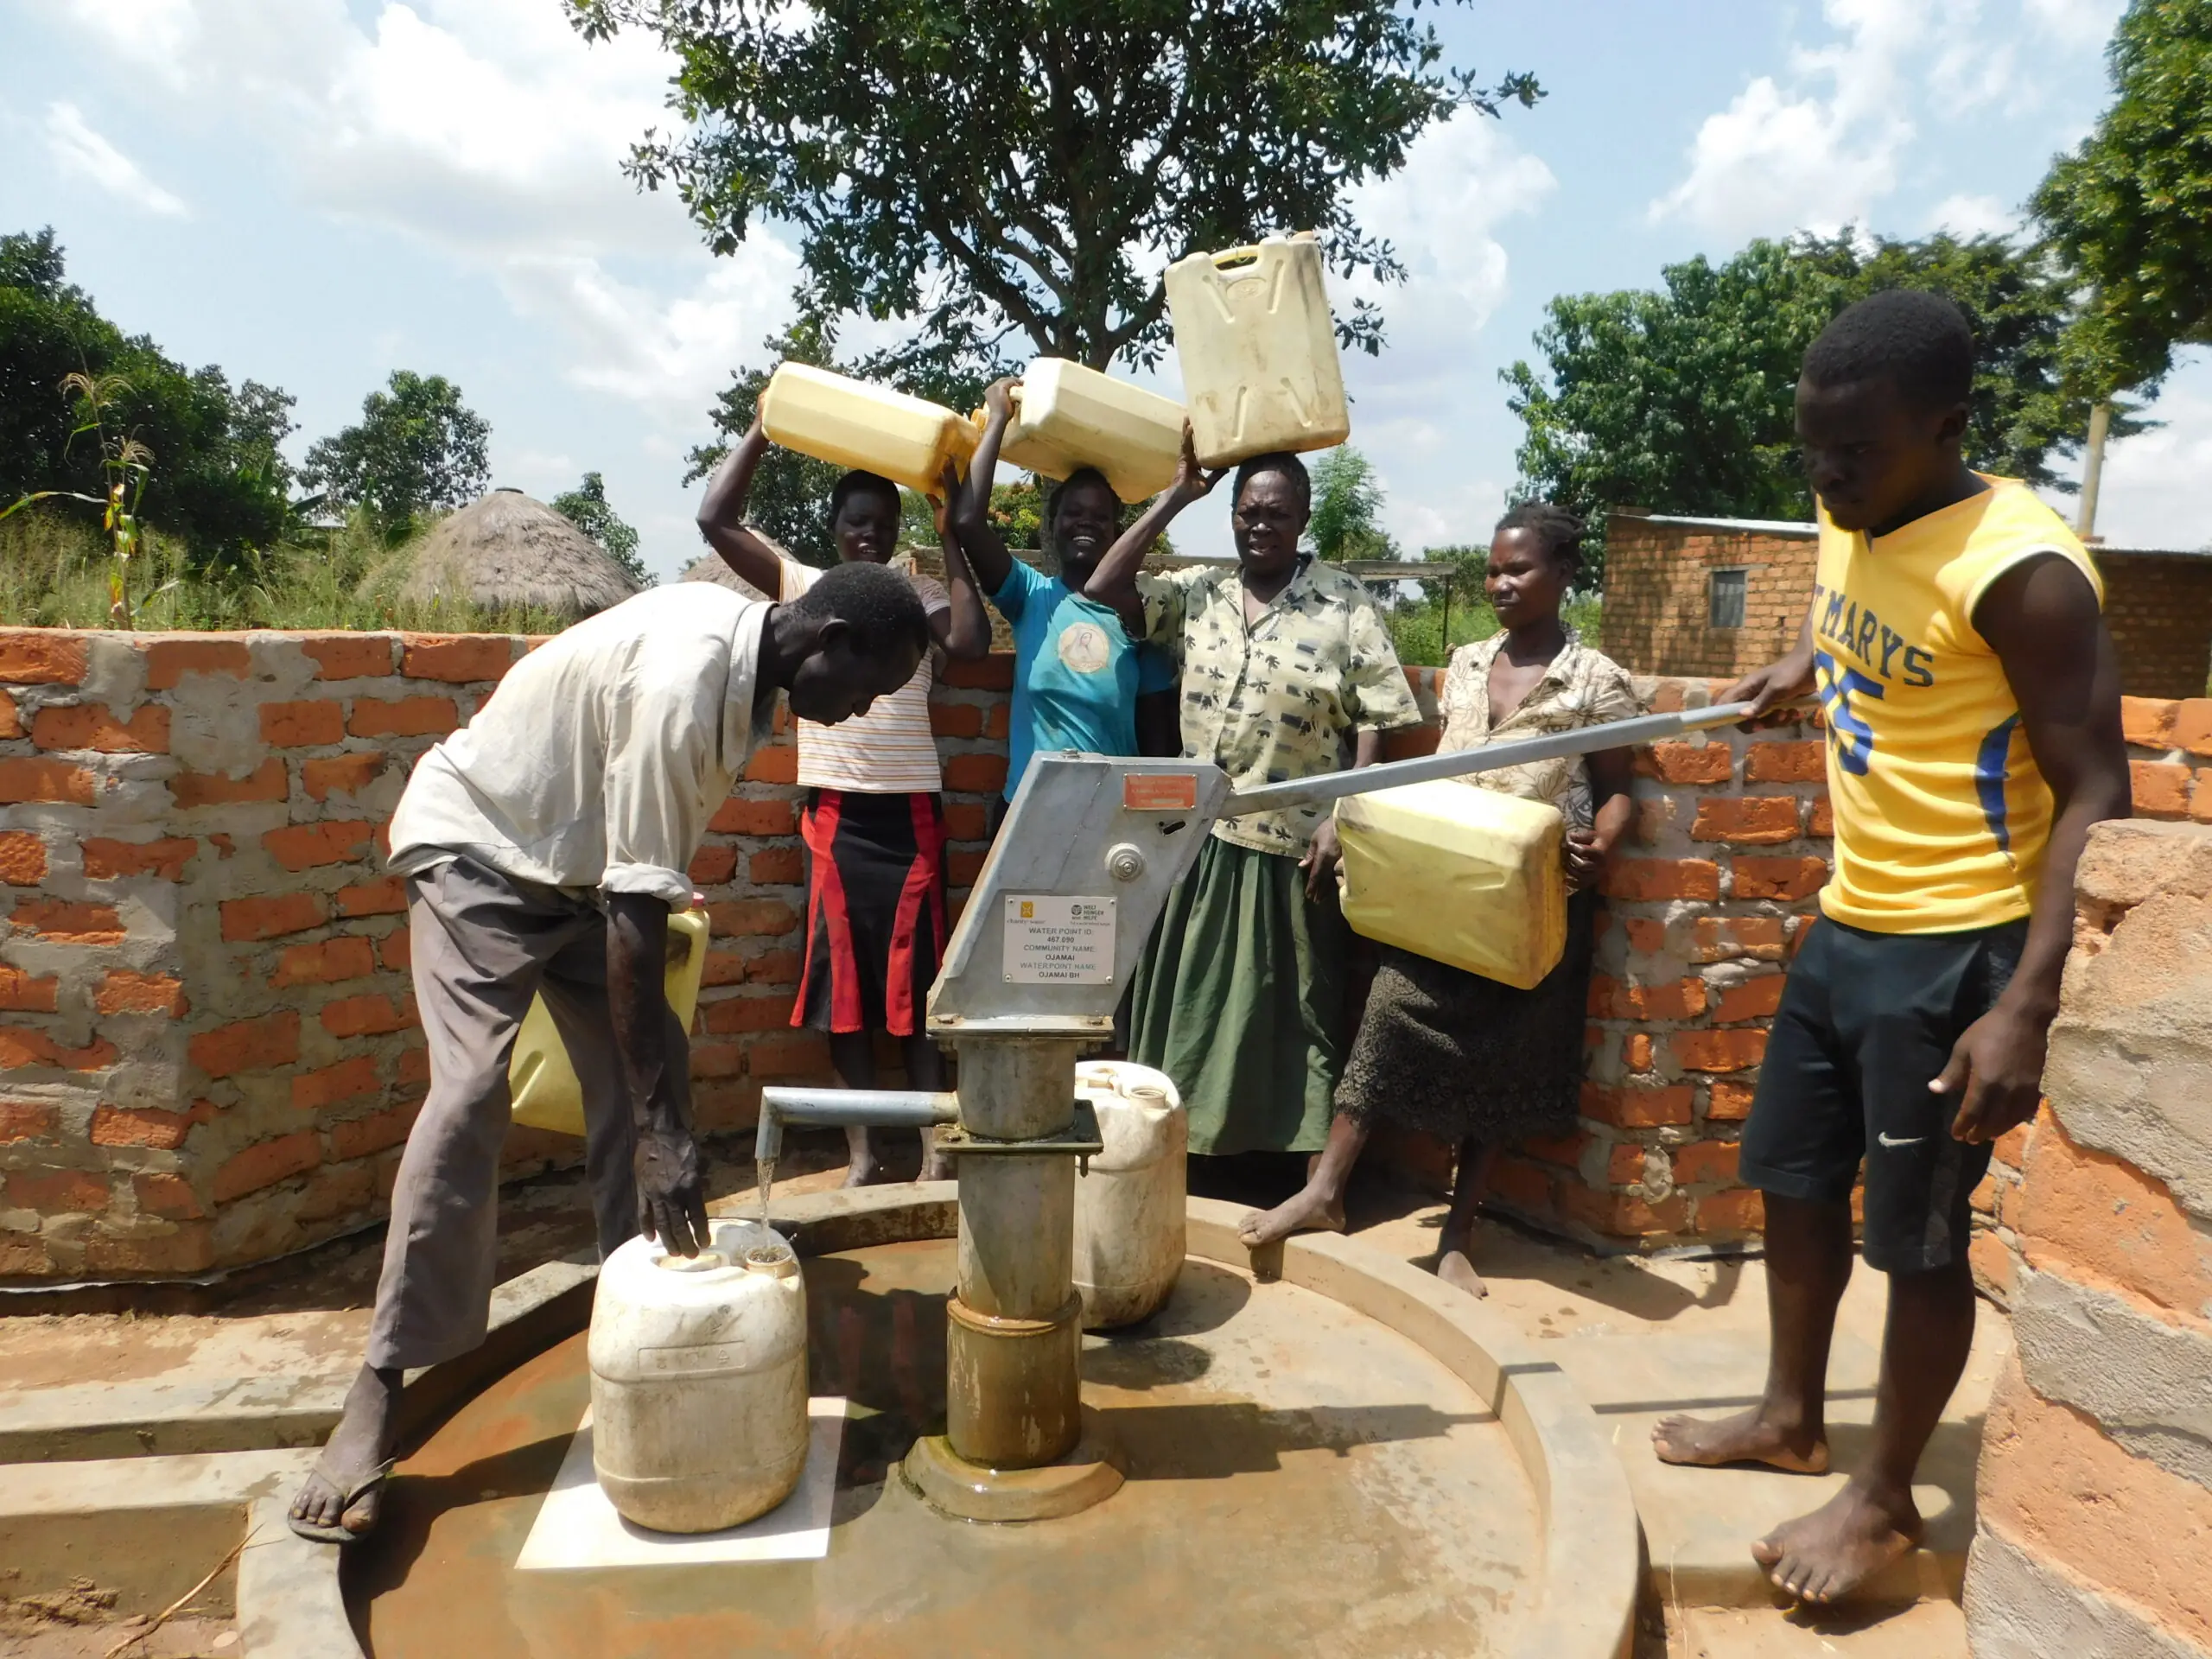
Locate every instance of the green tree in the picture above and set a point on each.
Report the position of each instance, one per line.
(1007, 176)
(219, 482)
(2130, 209)
(790, 500)
(586, 507)
(1680, 400)
(1347, 505)
(418, 449)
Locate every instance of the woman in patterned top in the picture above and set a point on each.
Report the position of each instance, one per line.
(1239, 996)
(873, 823)
(1445, 1050)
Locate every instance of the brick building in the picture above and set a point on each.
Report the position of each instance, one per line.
(1722, 596)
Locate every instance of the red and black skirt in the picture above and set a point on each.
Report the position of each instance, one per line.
(875, 926)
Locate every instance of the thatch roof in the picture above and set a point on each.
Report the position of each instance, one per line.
(711, 568)
(507, 551)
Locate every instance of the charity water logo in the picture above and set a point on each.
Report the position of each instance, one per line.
(1029, 910)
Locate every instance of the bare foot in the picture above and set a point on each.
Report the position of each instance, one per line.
(344, 1490)
(865, 1171)
(1453, 1268)
(1823, 1557)
(936, 1166)
(1747, 1437)
(1305, 1210)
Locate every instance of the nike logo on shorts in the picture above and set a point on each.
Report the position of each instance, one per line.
(1889, 1140)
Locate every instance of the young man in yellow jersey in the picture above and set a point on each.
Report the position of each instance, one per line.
(1971, 702)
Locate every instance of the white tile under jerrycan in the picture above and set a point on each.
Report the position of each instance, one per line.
(1067, 416)
(855, 424)
(1131, 1206)
(1258, 349)
(1458, 874)
(698, 1380)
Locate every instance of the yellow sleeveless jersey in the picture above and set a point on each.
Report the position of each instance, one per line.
(1940, 816)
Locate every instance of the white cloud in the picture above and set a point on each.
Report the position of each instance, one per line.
(2156, 491)
(2075, 23)
(81, 153)
(1967, 215)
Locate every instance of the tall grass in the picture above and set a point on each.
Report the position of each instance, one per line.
(53, 573)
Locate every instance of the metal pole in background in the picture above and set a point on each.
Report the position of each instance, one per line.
(2092, 470)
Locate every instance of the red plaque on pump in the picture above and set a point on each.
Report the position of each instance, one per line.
(1159, 792)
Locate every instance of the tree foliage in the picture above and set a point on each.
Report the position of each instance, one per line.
(790, 492)
(1682, 400)
(1347, 509)
(2130, 210)
(418, 449)
(219, 482)
(586, 508)
(1008, 175)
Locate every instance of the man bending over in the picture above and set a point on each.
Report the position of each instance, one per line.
(1971, 701)
(543, 846)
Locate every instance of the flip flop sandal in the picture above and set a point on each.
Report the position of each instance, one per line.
(341, 1534)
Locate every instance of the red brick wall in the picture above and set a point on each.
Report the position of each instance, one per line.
(209, 1053)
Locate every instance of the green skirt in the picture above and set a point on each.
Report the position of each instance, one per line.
(1240, 998)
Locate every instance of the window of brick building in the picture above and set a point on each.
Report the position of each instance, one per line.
(1725, 607)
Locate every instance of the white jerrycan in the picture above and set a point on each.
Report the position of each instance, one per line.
(1258, 350)
(1070, 417)
(1130, 1208)
(855, 424)
(698, 1380)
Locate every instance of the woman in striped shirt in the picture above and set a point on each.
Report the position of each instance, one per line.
(874, 823)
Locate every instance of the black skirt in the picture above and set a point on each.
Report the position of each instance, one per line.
(875, 920)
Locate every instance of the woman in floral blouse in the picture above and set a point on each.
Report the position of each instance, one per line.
(1445, 1051)
(1287, 664)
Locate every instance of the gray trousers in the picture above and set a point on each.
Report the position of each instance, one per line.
(483, 943)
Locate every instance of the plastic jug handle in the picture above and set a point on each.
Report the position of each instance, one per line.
(1228, 256)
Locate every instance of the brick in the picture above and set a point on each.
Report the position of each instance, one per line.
(27, 1120)
(1522, 1186)
(59, 1192)
(966, 821)
(1734, 1050)
(1704, 1162)
(1739, 1209)
(1625, 1164)
(999, 719)
(1645, 933)
(1562, 1149)
(991, 673)
(2100, 1220)
(1686, 763)
(266, 1164)
(415, 1066)
(2160, 790)
(169, 661)
(736, 1013)
(788, 1054)
(393, 952)
(741, 816)
(743, 917)
(1662, 877)
(56, 919)
(774, 967)
(1823, 822)
(122, 992)
(367, 1015)
(325, 962)
(955, 719)
(776, 764)
(347, 1080)
(357, 1137)
(385, 896)
(247, 1044)
(33, 777)
(2193, 725)
(1611, 999)
(1623, 1215)
(164, 1131)
(22, 859)
(2147, 723)
(723, 968)
(1745, 820)
(189, 1249)
(349, 656)
(346, 1190)
(347, 774)
(44, 657)
(1786, 878)
(403, 717)
(303, 725)
(777, 867)
(29, 1049)
(1635, 1051)
(23, 993)
(1793, 762)
(2200, 796)
(304, 846)
(110, 861)
(170, 1196)
(1637, 1109)
(712, 865)
(461, 659)
(718, 1060)
(962, 865)
(1750, 999)
(267, 782)
(246, 920)
(975, 774)
(1995, 1268)
(93, 726)
(11, 722)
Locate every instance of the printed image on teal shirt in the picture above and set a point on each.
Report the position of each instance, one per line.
(1076, 677)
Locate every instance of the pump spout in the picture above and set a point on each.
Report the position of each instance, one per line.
(877, 1108)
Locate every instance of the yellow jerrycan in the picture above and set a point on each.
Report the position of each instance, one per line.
(1460, 875)
(1258, 349)
(546, 1093)
(854, 424)
(1067, 416)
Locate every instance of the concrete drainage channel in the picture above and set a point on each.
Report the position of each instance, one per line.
(142, 1480)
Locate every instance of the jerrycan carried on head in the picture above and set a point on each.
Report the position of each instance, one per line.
(1258, 350)
(854, 424)
(1067, 418)
(698, 1380)
(1131, 1207)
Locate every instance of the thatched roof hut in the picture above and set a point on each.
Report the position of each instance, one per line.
(711, 568)
(508, 552)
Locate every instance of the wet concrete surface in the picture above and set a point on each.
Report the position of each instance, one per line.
(1301, 1481)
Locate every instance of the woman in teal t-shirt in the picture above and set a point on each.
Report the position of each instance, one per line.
(1078, 681)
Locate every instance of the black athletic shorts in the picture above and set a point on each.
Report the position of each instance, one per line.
(1867, 1022)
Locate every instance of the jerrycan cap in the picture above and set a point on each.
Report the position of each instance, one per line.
(705, 1261)
(773, 1260)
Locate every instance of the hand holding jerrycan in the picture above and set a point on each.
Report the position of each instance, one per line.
(1258, 350)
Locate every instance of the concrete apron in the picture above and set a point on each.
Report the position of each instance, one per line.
(1579, 1601)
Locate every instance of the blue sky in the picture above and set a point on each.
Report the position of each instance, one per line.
(314, 193)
